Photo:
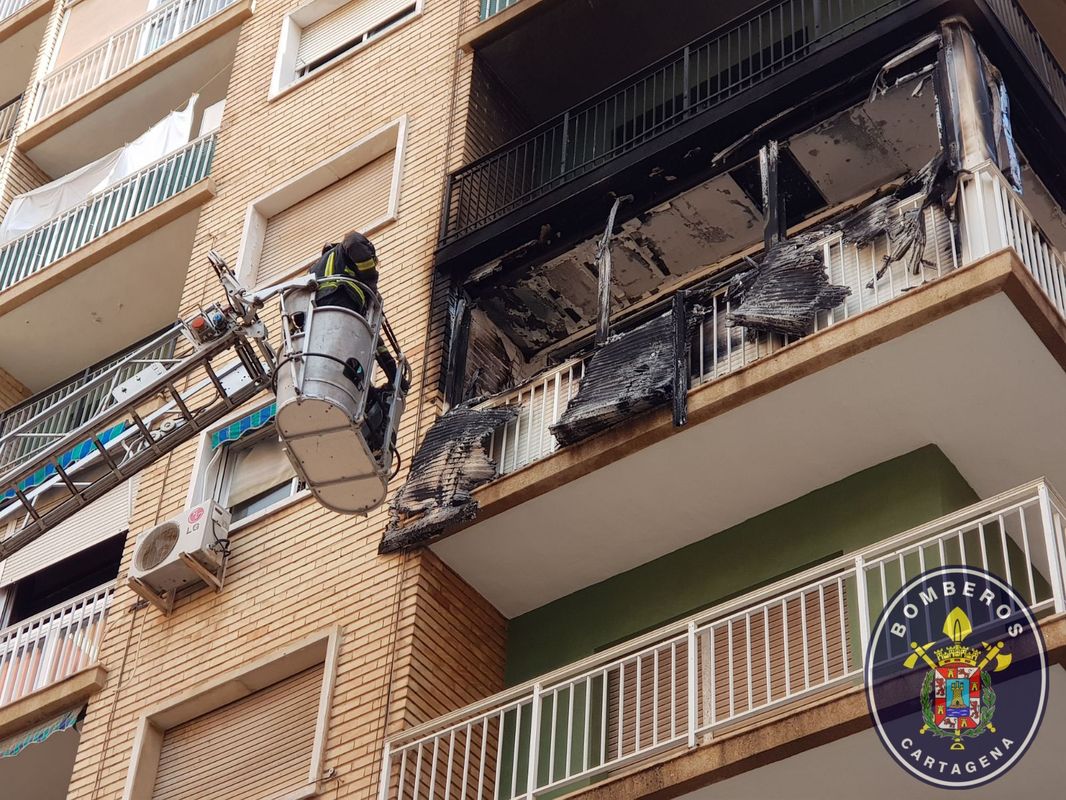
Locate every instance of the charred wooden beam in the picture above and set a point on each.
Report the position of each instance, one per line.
(772, 200)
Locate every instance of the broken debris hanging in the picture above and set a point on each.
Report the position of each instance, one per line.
(451, 462)
(633, 372)
(785, 291)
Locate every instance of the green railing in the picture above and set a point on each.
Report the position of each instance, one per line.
(490, 8)
(103, 212)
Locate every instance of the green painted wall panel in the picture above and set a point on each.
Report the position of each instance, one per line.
(861, 509)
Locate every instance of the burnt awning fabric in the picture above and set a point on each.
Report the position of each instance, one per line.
(15, 744)
(633, 372)
(786, 291)
(451, 462)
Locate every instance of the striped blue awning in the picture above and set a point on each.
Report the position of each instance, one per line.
(255, 421)
(65, 460)
(14, 745)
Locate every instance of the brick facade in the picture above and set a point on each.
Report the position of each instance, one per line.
(417, 641)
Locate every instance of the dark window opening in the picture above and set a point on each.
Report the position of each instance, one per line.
(66, 579)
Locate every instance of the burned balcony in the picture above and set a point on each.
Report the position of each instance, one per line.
(871, 300)
(677, 122)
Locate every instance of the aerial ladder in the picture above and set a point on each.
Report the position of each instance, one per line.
(336, 425)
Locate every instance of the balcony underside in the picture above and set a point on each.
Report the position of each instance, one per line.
(679, 156)
(943, 365)
(124, 107)
(121, 287)
(20, 38)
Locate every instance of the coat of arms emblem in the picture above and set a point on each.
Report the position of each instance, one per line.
(957, 697)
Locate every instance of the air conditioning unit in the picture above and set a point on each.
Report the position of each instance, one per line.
(181, 551)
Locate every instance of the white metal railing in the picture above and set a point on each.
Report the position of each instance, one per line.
(9, 114)
(526, 438)
(719, 349)
(36, 423)
(122, 50)
(8, 8)
(993, 216)
(749, 657)
(105, 211)
(51, 646)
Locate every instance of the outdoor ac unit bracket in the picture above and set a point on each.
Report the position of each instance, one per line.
(165, 601)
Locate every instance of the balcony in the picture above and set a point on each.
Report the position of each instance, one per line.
(734, 667)
(109, 94)
(22, 26)
(906, 361)
(623, 139)
(9, 113)
(118, 258)
(36, 423)
(45, 650)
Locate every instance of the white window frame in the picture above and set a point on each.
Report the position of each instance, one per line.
(389, 137)
(318, 648)
(208, 473)
(285, 78)
(223, 471)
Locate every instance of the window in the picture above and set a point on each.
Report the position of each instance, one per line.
(256, 732)
(296, 235)
(324, 31)
(357, 188)
(253, 474)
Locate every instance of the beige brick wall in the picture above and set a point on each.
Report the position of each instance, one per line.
(11, 391)
(417, 640)
(23, 176)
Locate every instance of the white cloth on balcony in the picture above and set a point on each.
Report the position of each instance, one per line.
(32, 209)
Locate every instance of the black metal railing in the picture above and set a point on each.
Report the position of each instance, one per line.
(687, 82)
(1026, 38)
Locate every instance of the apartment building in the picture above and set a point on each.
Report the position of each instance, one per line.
(725, 320)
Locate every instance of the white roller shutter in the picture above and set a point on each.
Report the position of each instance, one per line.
(254, 748)
(295, 236)
(346, 24)
(103, 519)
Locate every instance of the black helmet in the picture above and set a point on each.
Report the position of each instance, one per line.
(358, 248)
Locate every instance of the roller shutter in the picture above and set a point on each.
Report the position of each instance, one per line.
(254, 748)
(295, 236)
(349, 23)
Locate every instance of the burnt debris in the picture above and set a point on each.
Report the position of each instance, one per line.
(633, 372)
(786, 290)
(452, 461)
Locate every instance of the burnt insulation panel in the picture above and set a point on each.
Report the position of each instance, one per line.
(633, 372)
(451, 462)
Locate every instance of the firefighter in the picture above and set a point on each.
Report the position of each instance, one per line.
(355, 258)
